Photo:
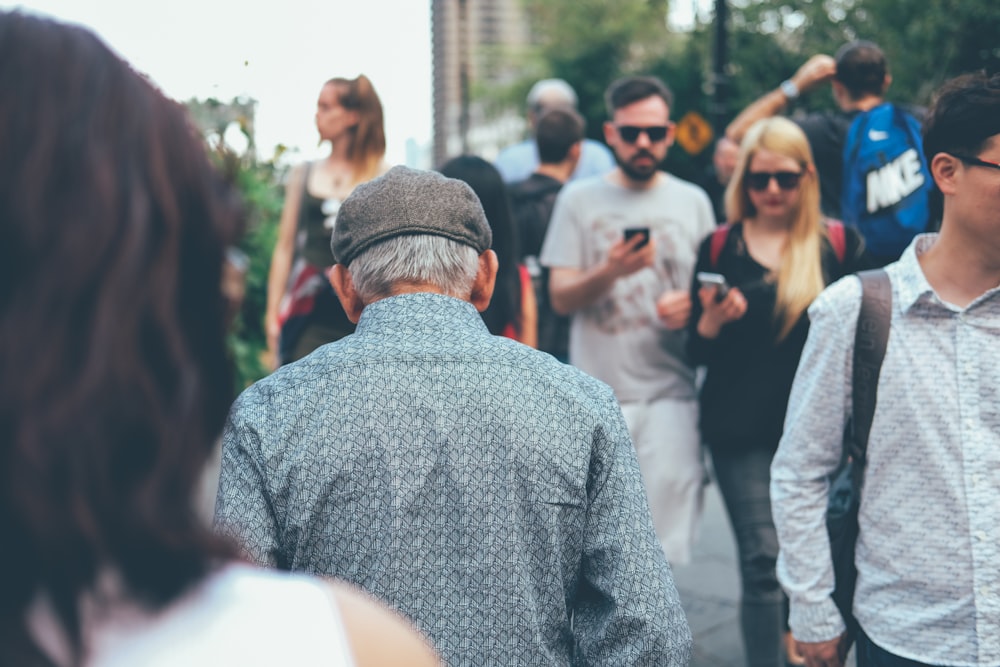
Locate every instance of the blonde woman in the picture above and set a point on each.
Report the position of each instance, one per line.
(776, 256)
(302, 310)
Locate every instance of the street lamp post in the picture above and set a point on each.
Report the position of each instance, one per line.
(720, 80)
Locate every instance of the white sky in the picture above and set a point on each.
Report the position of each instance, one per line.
(278, 52)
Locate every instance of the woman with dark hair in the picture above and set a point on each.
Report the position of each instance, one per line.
(115, 386)
(513, 311)
(302, 310)
(777, 255)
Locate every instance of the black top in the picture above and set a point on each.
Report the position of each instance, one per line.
(532, 201)
(827, 132)
(749, 374)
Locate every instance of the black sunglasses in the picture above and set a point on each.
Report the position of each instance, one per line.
(968, 159)
(759, 180)
(630, 133)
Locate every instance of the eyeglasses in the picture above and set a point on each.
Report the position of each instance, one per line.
(968, 159)
(759, 180)
(630, 133)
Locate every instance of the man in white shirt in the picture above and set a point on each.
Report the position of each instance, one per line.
(928, 588)
(621, 248)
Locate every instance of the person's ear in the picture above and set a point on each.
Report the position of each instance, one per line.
(574, 151)
(886, 82)
(610, 133)
(486, 280)
(944, 169)
(340, 279)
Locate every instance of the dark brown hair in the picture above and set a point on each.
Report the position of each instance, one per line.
(964, 115)
(631, 89)
(861, 67)
(115, 381)
(367, 147)
(556, 131)
(486, 182)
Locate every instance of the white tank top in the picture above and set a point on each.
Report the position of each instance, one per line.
(239, 616)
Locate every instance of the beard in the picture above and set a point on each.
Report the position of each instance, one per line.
(639, 173)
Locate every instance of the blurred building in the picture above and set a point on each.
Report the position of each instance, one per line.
(475, 43)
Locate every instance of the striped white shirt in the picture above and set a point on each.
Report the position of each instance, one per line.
(928, 554)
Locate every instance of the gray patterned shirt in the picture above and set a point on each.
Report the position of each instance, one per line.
(928, 554)
(482, 488)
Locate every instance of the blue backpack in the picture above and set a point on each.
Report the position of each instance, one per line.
(886, 182)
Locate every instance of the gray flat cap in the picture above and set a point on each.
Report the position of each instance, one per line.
(408, 201)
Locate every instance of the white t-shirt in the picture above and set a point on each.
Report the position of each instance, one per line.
(241, 616)
(619, 339)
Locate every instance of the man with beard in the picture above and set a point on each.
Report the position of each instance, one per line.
(621, 248)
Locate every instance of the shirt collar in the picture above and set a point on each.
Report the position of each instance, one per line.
(421, 311)
(912, 285)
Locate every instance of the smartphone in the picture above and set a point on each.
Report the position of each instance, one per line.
(631, 232)
(716, 280)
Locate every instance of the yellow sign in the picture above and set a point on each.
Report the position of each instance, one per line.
(694, 134)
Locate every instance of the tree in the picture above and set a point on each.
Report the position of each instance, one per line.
(590, 43)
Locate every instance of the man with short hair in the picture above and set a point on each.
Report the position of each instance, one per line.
(480, 487)
(518, 162)
(621, 249)
(558, 136)
(928, 586)
(858, 76)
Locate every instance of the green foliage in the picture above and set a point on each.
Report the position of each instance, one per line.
(592, 42)
(263, 200)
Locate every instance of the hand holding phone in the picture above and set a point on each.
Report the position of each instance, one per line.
(717, 280)
(632, 232)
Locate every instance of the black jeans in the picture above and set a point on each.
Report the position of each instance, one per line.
(744, 479)
(871, 655)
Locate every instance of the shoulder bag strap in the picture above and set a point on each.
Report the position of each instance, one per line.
(838, 240)
(870, 339)
(719, 236)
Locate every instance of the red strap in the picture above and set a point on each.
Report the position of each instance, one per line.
(835, 230)
(719, 237)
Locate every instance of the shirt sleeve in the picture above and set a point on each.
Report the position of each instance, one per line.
(243, 508)
(628, 611)
(563, 246)
(809, 452)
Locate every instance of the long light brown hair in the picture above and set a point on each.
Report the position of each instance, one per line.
(800, 276)
(367, 147)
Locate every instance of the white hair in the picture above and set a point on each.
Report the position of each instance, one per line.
(551, 93)
(414, 258)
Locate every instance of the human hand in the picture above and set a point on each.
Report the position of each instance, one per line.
(715, 314)
(626, 257)
(830, 653)
(817, 70)
(674, 308)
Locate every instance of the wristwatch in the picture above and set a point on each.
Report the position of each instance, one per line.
(789, 88)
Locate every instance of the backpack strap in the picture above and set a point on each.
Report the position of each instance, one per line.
(719, 237)
(870, 339)
(836, 234)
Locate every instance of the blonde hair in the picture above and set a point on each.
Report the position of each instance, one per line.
(800, 276)
(367, 148)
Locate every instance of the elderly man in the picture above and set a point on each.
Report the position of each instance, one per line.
(516, 163)
(480, 487)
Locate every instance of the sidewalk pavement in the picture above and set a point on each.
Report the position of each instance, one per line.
(710, 588)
